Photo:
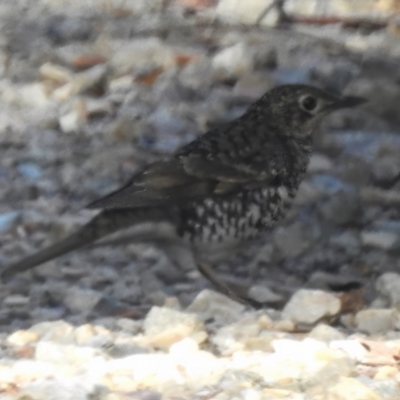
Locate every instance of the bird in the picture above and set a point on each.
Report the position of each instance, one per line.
(220, 191)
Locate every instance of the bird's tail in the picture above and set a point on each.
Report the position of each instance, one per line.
(106, 223)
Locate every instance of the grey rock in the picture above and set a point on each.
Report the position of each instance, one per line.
(129, 325)
(7, 220)
(197, 76)
(329, 184)
(342, 208)
(325, 333)
(387, 388)
(235, 11)
(234, 61)
(57, 331)
(210, 305)
(311, 306)
(81, 300)
(388, 286)
(30, 170)
(375, 321)
(16, 300)
(251, 87)
(291, 241)
(283, 76)
(64, 354)
(327, 281)
(388, 241)
(264, 295)
(386, 170)
(71, 389)
(61, 30)
(349, 241)
(164, 326)
(319, 163)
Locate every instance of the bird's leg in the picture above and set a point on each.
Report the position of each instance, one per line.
(182, 257)
(209, 274)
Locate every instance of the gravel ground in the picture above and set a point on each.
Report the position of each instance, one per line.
(89, 94)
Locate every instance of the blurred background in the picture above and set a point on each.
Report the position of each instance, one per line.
(91, 91)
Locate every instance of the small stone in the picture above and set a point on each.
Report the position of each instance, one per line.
(341, 208)
(330, 372)
(172, 303)
(197, 76)
(264, 295)
(292, 363)
(252, 87)
(319, 163)
(233, 337)
(325, 281)
(35, 95)
(263, 343)
(16, 300)
(73, 388)
(344, 388)
(84, 334)
(80, 82)
(81, 300)
(140, 371)
(121, 84)
(386, 170)
(352, 348)
(65, 354)
(265, 322)
(291, 241)
(71, 122)
(30, 170)
(381, 240)
(65, 29)
(285, 325)
(22, 338)
(57, 331)
(375, 321)
(140, 54)
(55, 73)
(325, 333)
(185, 346)
(129, 325)
(388, 388)
(164, 326)
(386, 372)
(212, 305)
(233, 62)
(7, 220)
(311, 306)
(388, 286)
(347, 241)
(237, 11)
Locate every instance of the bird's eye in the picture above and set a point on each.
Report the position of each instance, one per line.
(308, 103)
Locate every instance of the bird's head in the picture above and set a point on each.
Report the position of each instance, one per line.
(298, 109)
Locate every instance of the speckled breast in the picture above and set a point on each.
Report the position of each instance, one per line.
(241, 216)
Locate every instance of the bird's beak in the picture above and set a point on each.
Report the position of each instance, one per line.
(346, 102)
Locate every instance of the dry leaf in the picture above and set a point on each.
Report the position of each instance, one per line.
(9, 388)
(182, 59)
(149, 79)
(379, 353)
(198, 3)
(24, 352)
(86, 61)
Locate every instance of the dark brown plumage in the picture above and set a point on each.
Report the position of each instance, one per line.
(220, 190)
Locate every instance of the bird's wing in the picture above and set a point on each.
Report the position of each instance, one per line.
(218, 163)
(159, 184)
(176, 181)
